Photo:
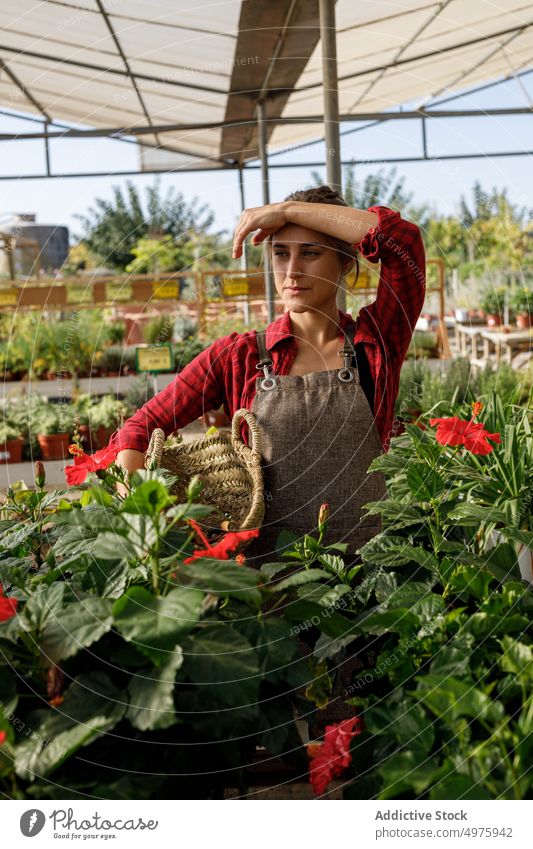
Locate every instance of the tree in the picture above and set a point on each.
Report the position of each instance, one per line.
(380, 187)
(111, 229)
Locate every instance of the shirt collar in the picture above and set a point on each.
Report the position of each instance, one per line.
(281, 329)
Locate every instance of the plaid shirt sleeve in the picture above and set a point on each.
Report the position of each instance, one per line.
(198, 388)
(402, 284)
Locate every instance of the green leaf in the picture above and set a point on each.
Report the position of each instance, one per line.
(151, 695)
(391, 550)
(44, 605)
(457, 786)
(517, 658)
(454, 658)
(74, 627)
(16, 535)
(333, 563)
(224, 577)
(224, 664)
(424, 483)
(325, 596)
(92, 707)
(395, 513)
(525, 537)
(156, 624)
(492, 624)
(406, 771)
(473, 514)
(8, 691)
(400, 620)
(271, 569)
(449, 698)
(297, 579)
(148, 499)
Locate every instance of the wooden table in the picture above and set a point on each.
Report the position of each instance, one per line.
(497, 341)
(482, 344)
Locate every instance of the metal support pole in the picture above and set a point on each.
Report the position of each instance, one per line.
(263, 154)
(244, 257)
(47, 151)
(331, 93)
(331, 107)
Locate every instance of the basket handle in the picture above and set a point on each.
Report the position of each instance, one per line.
(253, 427)
(155, 448)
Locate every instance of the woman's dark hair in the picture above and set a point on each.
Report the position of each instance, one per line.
(324, 194)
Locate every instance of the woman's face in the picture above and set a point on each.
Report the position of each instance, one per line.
(307, 270)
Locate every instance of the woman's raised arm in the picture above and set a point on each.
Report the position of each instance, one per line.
(342, 222)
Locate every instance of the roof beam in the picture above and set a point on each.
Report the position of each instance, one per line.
(403, 48)
(112, 132)
(232, 166)
(118, 45)
(20, 85)
(429, 55)
(281, 37)
(464, 74)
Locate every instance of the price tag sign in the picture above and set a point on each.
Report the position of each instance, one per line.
(79, 294)
(115, 291)
(165, 290)
(233, 286)
(155, 358)
(8, 296)
(363, 281)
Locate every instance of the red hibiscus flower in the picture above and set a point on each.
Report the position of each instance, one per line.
(330, 759)
(85, 463)
(473, 435)
(3, 737)
(224, 548)
(8, 606)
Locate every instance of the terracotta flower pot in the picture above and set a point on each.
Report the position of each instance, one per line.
(102, 435)
(494, 320)
(54, 446)
(89, 440)
(523, 320)
(11, 451)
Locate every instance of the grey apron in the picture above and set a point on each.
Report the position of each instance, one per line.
(319, 438)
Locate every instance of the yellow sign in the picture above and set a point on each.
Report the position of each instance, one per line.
(118, 291)
(9, 297)
(155, 358)
(165, 290)
(79, 294)
(363, 280)
(233, 286)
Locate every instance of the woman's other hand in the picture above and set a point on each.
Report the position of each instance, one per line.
(130, 460)
(265, 219)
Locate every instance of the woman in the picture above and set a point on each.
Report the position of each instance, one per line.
(325, 391)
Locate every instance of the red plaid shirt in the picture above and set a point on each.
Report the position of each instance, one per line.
(224, 374)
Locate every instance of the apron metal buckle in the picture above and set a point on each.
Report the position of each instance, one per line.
(346, 374)
(268, 381)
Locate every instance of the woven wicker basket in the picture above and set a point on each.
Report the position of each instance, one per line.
(230, 471)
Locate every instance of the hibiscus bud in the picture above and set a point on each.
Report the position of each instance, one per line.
(40, 474)
(477, 406)
(323, 516)
(195, 487)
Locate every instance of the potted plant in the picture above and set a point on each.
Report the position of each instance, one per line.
(11, 443)
(104, 417)
(491, 303)
(112, 360)
(81, 408)
(50, 424)
(521, 303)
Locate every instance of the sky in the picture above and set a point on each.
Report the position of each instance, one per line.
(438, 183)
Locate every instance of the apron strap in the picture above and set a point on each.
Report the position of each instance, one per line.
(264, 356)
